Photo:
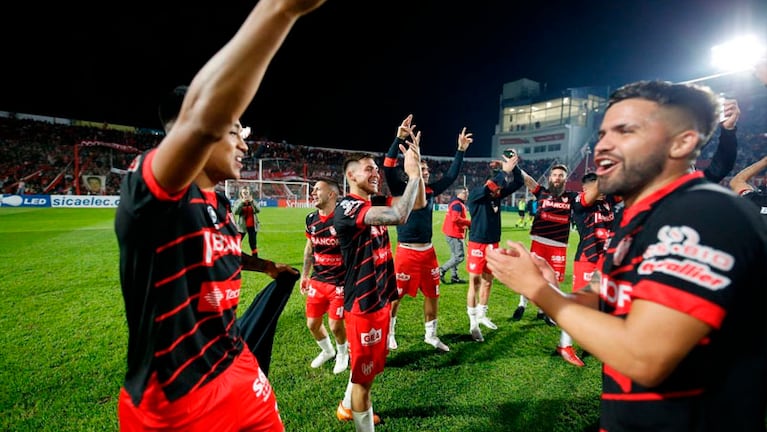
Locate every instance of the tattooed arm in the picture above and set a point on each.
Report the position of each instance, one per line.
(399, 211)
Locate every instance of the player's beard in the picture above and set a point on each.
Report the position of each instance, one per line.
(631, 178)
(557, 190)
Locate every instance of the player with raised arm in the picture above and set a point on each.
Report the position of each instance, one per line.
(370, 284)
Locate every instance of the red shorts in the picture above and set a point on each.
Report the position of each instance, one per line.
(417, 269)
(239, 399)
(556, 256)
(368, 335)
(325, 298)
(476, 262)
(582, 271)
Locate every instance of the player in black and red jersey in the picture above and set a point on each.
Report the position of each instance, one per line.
(549, 235)
(370, 285)
(322, 280)
(188, 365)
(593, 214)
(484, 203)
(416, 260)
(679, 320)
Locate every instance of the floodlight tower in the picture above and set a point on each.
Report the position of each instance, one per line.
(738, 55)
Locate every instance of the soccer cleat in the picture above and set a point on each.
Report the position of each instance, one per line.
(457, 280)
(436, 343)
(485, 321)
(442, 276)
(345, 414)
(321, 358)
(392, 342)
(476, 334)
(342, 362)
(547, 319)
(568, 353)
(518, 312)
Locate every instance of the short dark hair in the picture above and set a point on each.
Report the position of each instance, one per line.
(563, 167)
(170, 106)
(698, 103)
(330, 182)
(356, 157)
(589, 177)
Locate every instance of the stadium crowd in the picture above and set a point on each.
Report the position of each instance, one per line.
(38, 156)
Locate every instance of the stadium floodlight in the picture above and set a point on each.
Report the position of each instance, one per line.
(735, 56)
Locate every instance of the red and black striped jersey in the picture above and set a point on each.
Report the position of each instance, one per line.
(180, 262)
(370, 279)
(551, 223)
(673, 249)
(327, 262)
(594, 223)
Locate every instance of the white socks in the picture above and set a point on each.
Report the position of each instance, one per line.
(431, 329)
(326, 345)
(363, 421)
(347, 402)
(522, 301)
(472, 311)
(565, 340)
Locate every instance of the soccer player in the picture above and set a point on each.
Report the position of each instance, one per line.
(188, 367)
(370, 285)
(484, 204)
(415, 262)
(549, 235)
(521, 211)
(454, 227)
(324, 286)
(679, 320)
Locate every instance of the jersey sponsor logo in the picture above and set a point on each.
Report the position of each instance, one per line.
(558, 259)
(381, 255)
(261, 386)
(328, 260)
(350, 207)
(372, 337)
(564, 204)
(601, 218)
(217, 296)
(324, 241)
(697, 261)
(403, 277)
(216, 245)
(560, 219)
(615, 294)
(378, 230)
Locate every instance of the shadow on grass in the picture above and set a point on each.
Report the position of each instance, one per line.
(554, 415)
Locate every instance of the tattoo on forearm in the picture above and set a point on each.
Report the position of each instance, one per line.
(399, 211)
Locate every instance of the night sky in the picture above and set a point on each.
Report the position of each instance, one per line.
(352, 70)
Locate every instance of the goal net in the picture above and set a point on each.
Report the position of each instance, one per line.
(284, 193)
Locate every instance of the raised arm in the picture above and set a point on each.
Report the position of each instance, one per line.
(399, 211)
(441, 185)
(739, 183)
(391, 172)
(222, 90)
(724, 158)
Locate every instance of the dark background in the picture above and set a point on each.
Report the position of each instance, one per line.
(352, 70)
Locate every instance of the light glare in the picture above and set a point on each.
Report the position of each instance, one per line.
(738, 54)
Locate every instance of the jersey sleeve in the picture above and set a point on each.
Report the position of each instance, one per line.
(692, 261)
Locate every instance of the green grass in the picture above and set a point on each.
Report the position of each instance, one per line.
(63, 339)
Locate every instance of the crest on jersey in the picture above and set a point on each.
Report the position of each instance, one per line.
(333, 231)
(212, 214)
(621, 249)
